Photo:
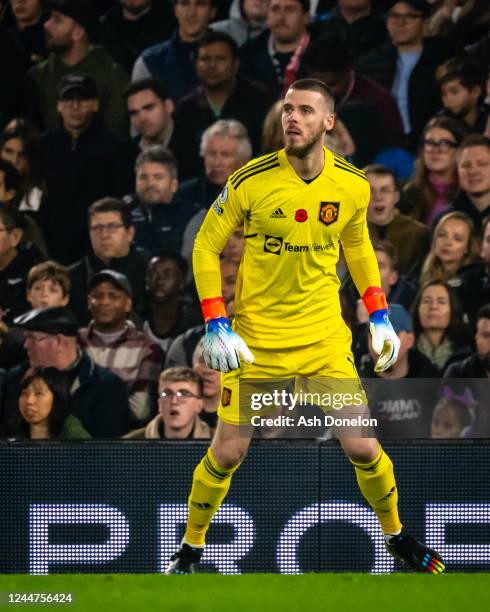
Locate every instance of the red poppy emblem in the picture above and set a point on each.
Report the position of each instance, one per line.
(301, 215)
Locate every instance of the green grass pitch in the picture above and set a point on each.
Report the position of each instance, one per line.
(257, 592)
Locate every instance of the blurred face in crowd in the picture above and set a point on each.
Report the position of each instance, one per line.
(108, 236)
(222, 157)
(193, 17)
(216, 66)
(482, 339)
(474, 170)
(150, 116)
(234, 247)
(155, 183)
(36, 402)
(210, 378)
(9, 239)
(26, 12)
(179, 414)
(439, 151)
(452, 241)
(405, 25)
(136, 7)
(485, 245)
(46, 293)
(435, 308)
(459, 99)
(384, 197)
(229, 271)
(287, 21)
(305, 119)
(445, 423)
(6, 195)
(59, 32)
(255, 10)
(42, 349)
(109, 306)
(13, 152)
(338, 81)
(389, 276)
(164, 279)
(77, 113)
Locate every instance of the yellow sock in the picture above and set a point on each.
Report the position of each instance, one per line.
(377, 483)
(210, 485)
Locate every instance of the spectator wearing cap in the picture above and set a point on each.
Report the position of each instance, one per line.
(88, 161)
(180, 403)
(98, 398)
(111, 234)
(169, 312)
(15, 262)
(247, 19)
(71, 32)
(401, 403)
(130, 26)
(406, 65)
(113, 342)
(171, 62)
(222, 93)
(158, 216)
(150, 109)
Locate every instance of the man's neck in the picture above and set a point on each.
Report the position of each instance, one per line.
(351, 15)
(164, 315)
(481, 201)
(190, 38)
(74, 55)
(129, 16)
(107, 260)
(163, 138)
(7, 258)
(75, 133)
(410, 47)
(219, 95)
(181, 433)
(110, 328)
(22, 24)
(311, 165)
(289, 47)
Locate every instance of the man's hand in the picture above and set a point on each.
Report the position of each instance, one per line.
(222, 347)
(385, 340)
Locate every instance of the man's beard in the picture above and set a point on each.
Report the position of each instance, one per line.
(304, 150)
(58, 47)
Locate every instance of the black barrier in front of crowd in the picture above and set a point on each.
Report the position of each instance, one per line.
(293, 507)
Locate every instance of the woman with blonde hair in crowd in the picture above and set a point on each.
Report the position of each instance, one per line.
(435, 181)
(454, 245)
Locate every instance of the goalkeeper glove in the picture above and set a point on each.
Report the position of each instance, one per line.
(384, 338)
(222, 347)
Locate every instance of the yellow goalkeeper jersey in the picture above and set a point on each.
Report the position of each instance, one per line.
(287, 286)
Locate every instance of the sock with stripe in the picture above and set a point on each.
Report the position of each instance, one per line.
(210, 485)
(377, 483)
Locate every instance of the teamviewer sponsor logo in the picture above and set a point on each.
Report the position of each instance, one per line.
(273, 244)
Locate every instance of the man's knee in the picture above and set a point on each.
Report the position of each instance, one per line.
(229, 454)
(361, 450)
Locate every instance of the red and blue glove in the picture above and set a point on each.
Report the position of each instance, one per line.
(384, 338)
(222, 347)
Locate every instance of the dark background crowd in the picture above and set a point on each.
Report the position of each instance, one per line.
(120, 122)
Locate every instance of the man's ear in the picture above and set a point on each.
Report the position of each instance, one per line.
(169, 105)
(16, 236)
(129, 305)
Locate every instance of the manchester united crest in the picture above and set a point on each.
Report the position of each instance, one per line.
(329, 212)
(226, 397)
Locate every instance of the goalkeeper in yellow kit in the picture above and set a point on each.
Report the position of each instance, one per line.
(296, 206)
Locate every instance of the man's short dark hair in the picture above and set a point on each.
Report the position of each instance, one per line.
(380, 170)
(318, 86)
(474, 140)
(212, 36)
(182, 374)
(174, 256)
(483, 313)
(464, 69)
(389, 249)
(158, 154)
(11, 176)
(11, 217)
(142, 85)
(106, 205)
(328, 53)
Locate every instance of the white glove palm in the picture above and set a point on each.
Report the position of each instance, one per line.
(223, 348)
(385, 340)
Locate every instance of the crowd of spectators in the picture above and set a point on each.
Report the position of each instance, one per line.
(120, 123)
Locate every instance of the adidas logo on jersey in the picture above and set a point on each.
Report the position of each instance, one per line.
(278, 214)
